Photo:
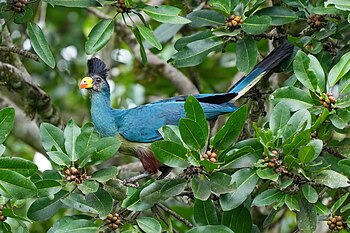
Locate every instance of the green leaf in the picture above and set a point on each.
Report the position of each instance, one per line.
(192, 134)
(229, 133)
(291, 201)
(86, 139)
(173, 187)
(321, 209)
(294, 97)
(78, 202)
(75, 3)
(204, 213)
(239, 158)
(256, 25)
(152, 193)
(195, 52)
(51, 136)
(199, 185)
(210, 229)
(344, 84)
(340, 4)
(148, 35)
(238, 219)
(24, 17)
(267, 197)
(101, 201)
(48, 187)
(331, 179)
(105, 174)
(149, 225)
(74, 224)
(307, 217)
(22, 166)
(316, 69)
(7, 119)
(301, 120)
(279, 117)
(339, 203)
(44, 208)
(59, 158)
(71, 133)
(279, 15)
(195, 112)
(339, 70)
(40, 45)
(267, 174)
(245, 180)
(309, 193)
(116, 188)
(343, 102)
(306, 154)
(344, 166)
(221, 183)
(171, 133)
(13, 184)
(142, 48)
(221, 5)
(165, 14)
(88, 186)
(170, 153)
(206, 18)
(304, 74)
(99, 36)
(133, 202)
(247, 52)
(106, 148)
(183, 41)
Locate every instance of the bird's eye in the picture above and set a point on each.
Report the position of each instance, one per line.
(98, 80)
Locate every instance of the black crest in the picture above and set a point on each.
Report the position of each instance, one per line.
(97, 67)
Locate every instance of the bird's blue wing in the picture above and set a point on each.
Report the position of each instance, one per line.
(141, 124)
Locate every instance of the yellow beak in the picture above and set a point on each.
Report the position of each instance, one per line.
(86, 83)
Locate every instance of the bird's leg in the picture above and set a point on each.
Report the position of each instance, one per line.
(165, 171)
(133, 179)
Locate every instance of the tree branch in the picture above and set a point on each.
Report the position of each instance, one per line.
(180, 218)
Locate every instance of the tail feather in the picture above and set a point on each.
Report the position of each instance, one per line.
(261, 69)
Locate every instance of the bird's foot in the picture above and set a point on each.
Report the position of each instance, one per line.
(132, 182)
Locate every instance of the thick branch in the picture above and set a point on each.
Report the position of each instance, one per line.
(182, 84)
(29, 97)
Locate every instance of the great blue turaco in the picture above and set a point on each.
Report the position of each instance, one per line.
(138, 127)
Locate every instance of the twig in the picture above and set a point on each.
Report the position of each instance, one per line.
(180, 218)
(156, 211)
(21, 52)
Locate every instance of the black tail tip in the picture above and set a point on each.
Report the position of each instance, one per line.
(97, 67)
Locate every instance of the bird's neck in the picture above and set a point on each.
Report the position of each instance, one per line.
(103, 115)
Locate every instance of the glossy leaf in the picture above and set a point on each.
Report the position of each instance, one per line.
(51, 136)
(294, 97)
(221, 183)
(25, 17)
(204, 213)
(229, 133)
(238, 219)
(59, 158)
(171, 133)
(307, 217)
(210, 229)
(339, 203)
(40, 45)
(309, 193)
(88, 186)
(195, 112)
(302, 71)
(142, 48)
(292, 201)
(222, 5)
(267, 197)
(306, 154)
(78, 202)
(44, 208)
(101, 201)
(300, 120)
(48, 187)
(74, 224)
(344, 84)
(99, 36)
(19, 165)
(199, 185)
(165, 14)
(331, 179)
(148, 35)
(279, 117)
(247, 52)
(205, 18)
(105, 174)
(183, 41)
(192, 134)
(256, 25)
(195, 53)
(106, 148)
(71, 133)
(87, 138)
(279, 15)
(75, 3)
(133, 202)
(245, 180)
(339, 70)
(13, 184)
(267, 174)
(170, 153)
(149, 225)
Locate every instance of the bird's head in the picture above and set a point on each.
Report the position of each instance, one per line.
(97, 76)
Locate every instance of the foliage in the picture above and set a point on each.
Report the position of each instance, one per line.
(295, 163)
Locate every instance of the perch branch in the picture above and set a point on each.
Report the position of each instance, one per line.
(21, 52)
(180, 218)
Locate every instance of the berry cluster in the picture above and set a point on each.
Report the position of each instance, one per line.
(327, 100)
(211, 156)
(315, 21)
(121, 6)
(18, 5)
(336, 223)
(2, 217)
(275, 162)
(74, 175)
(190, 171)
(234, 22)
(113, 221)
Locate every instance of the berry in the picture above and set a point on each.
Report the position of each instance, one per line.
(233, 22)
(113, 221)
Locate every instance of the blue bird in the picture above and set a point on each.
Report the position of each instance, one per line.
(138, 127)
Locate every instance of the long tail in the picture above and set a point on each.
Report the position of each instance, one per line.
(261, 69)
